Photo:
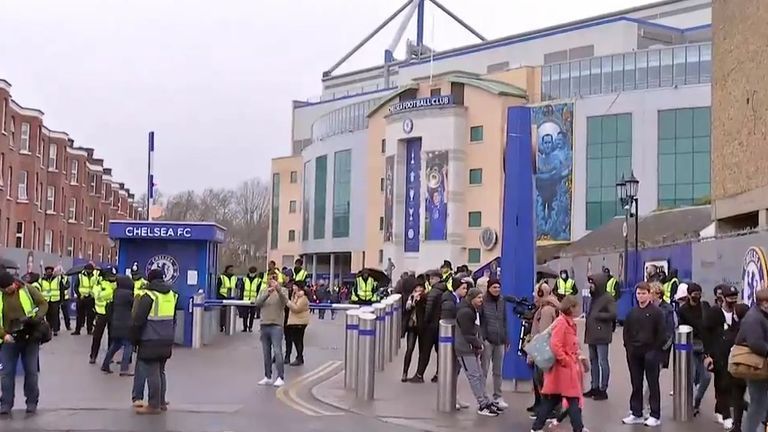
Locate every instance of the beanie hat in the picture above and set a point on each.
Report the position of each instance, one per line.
(447, 265)
(155, 274)
(6, 279)
(493, 281)
(474, 292)
(694, 287)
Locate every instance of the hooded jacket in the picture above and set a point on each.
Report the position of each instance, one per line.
(602, 312)
(120, 320)
(149, 350)
(546, 311)
(434, 305)
(493, 319)
(467, 341)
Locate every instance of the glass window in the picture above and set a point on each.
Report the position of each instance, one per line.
(546, 72)
(609, 156)
(475, 219)
(666, 68)
(474, 255)
(654, 68)
(629, 71)
(692, 65)
(476, 176)
(607, 74)
(575, 79)
(705, 63)
(584, 86)
(476, 133)
(618, 73)
(321, 180)
(292, 206)
(555, 86)
(641, 65)
(274, 233)
(306, 194)
(679, 65)
(294, 177)
(565, 80)
(594, 79)
(684, 157)
(342, 187)
(291, 236)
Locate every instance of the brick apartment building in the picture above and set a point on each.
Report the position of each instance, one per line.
(58, 198)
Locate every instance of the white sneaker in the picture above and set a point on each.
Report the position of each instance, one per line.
(278, 382)
(719, 418)
(728, 424)
(652, 422)
(632, 420)
(501, 403)
(461, 405)
(265, 381)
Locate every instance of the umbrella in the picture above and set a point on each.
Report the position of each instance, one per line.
(379, 276)
(75, 270)
(8, 264)
(544, 272)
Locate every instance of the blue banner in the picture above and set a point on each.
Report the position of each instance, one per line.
(166, 231)
(412, 207)
(436, 201)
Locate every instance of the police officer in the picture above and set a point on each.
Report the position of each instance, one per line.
(225, 289)
(85, 282)
(299, 274)
(139, 283)
(670, 284)
(446, 272)
(103, 295)
(152, 331)
(66, 301)
(565, 286)
(251, 288)
(365, 290)
(612, 287)
(51, 289)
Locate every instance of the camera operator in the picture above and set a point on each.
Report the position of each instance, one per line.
(22, 310)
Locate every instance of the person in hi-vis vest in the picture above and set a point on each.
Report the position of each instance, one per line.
(51, 289)
(299, 274)
(103, 295)
(365, 290)
(613, 288)
(565, 286)
(85, 282)
(251, 285)
(225, 289)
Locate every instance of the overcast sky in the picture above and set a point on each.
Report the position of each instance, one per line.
(213, 79)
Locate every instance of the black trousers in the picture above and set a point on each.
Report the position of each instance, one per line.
(738, 388)
(65, 312)
(723, 390)
(98, 334)
(52, 316)
(426, 344)
(85, 314)
(294, 337)
(411, 338)
(644, 366)
(248, 314)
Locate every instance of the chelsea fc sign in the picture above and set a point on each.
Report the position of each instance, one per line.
(753, 273)
(167, 264)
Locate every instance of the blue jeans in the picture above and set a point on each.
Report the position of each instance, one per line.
(156, 381)
(30, 360)
(272, 343)
(139, 381)
(599, 366)
(701, 379)
(758, 405)
(114, 347)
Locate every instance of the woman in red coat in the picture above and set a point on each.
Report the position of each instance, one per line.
(564, 380)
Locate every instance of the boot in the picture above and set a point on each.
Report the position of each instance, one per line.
(298, 362)
(591, 393)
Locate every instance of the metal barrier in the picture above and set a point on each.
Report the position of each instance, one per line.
(379, 311)
(682, 382)
(389, 330)
(198, 311)
(366, 356)
(231, 324)
(446, 373)
(350, 348)
(397, 300)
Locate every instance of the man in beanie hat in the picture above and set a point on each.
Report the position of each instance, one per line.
(153, 331)
(493, 326)
(468, 346)
(693, 314)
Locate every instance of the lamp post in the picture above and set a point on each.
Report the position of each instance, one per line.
(626, 190)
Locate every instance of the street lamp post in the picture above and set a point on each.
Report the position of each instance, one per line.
(626, 190)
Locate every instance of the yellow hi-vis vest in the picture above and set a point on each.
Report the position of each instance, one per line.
(87, 284)
(267, 274)
(300, 276)
(27, 304)
(251, 288)
(139, 286)
(51, 289)
(160, 320)
(366, 290)
(448, 281)
(565, 288)
(103, 294)
(668, 288)
(227, 285)
(610, 287)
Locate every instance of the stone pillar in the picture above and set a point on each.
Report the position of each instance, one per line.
(314, 268)
(331, 277)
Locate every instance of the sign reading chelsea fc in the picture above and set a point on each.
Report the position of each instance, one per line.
(753, 273)
(426, 102)
(167, 264)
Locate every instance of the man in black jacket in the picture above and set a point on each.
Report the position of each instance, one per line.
(598, 333)
(152, 330)
(120, 326)
(432, 315)
(451, 299)
(693, 314)
(753, 334)
(644, 339)
(493, 327)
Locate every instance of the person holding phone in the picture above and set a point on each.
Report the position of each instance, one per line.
(273, 301)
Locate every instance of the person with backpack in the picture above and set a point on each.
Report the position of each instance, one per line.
(564, 378)
(547, 307)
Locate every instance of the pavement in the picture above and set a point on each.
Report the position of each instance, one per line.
(414, 405)
(210, 390)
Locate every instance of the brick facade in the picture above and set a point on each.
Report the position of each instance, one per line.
(54, 197)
